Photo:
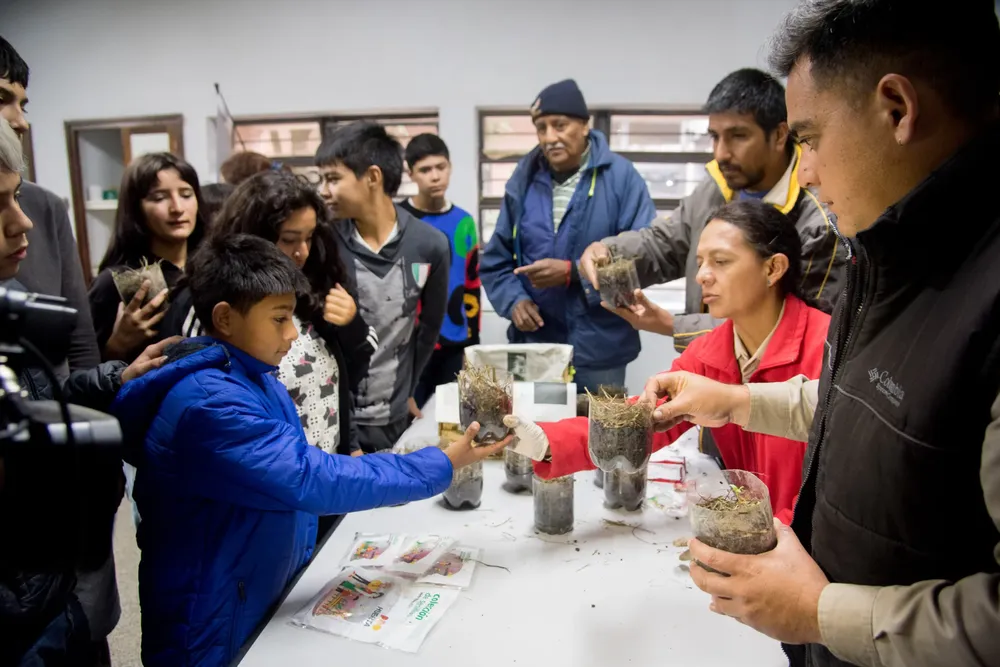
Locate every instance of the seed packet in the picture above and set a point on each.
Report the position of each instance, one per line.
(373, 550)
(454, 568)
(374, 607)
(415, 555)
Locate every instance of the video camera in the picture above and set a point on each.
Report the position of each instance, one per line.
(60, 464)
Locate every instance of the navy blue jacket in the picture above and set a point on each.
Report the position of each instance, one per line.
(611, 198)
(229, 489)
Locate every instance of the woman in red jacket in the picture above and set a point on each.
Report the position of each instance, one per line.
(749, 259)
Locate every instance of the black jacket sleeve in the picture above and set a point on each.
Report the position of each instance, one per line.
(104, 300)
(95, 388)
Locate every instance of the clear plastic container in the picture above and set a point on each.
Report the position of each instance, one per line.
(599, 478)
(619, 280)
(519, 470)
(626, 490)
(485, 395)
(466, 490)
(129, 281)
(731, 510)
(553, 505)
(620, 433)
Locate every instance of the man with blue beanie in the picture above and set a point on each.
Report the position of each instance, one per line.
(565, 194)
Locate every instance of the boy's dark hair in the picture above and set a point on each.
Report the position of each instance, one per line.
(750, 91)
(424, 146)
(361, 145)
(769, 232)
(262, 204)
(241, 166)
(12, 65)
(132, 240)
(854, 43)
(241, 270)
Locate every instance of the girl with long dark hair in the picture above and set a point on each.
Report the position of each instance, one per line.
(158, 220)
(749, 269)
(335, 344)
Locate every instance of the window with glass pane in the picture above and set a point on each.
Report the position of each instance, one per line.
(495, 177)
(671, 180)
(508, 136)
(660, 134)
(487, 223)
(278, 139)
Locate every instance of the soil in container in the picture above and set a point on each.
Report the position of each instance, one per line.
(599, 478)
(624, 489)
(519, 470)
(128, 281)
(466, 490)
(732, 512)
(485, 395)
(618, 279)
(621, 433)
(553, 505)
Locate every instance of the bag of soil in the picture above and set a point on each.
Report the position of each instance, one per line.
(374, 607)
(620, 433)
(553, 499)
(466, 489)
(626, 490)
(731, 510)
(129, 281)
(453, 569)
(618, 279)
(519, 471)
(485, 395)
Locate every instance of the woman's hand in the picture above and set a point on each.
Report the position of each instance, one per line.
(135, 322)
(462, 453)
(339, 308)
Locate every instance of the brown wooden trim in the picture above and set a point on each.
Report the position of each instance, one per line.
(173, 124)
(79, 203)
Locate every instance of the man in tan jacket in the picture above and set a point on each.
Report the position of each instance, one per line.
(893, 556)
(754, 159)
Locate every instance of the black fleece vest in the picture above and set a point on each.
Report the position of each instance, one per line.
(913, 366)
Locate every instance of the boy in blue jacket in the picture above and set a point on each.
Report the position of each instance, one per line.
(227, 485)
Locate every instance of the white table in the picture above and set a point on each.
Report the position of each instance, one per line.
(601, 596)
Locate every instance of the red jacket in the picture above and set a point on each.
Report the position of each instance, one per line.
(796, 348)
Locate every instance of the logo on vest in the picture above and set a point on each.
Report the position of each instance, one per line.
(886, 386)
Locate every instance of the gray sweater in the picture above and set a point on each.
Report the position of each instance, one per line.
(53, 267)
(406, 276)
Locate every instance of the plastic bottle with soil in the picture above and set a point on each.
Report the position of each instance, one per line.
(620, 433)
(553, 505)
(618, 279)
(599, 478)
(466, 490)
(485, 395)
(519, 470)
(731, 510)
(626, 490)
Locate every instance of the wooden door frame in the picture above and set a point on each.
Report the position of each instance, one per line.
(174, 124)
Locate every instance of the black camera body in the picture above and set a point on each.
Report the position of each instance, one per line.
(60, 464)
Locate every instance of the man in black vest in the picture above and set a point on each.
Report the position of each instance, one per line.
(894, 555)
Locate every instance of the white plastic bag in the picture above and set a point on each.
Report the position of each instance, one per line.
(375, 607)
(454, 568)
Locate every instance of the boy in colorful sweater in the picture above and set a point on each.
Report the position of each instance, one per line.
(430, 168)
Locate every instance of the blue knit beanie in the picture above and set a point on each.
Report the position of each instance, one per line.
(561, 99)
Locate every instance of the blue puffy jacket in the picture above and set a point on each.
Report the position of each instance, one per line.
(229, 491)
(611, 198)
